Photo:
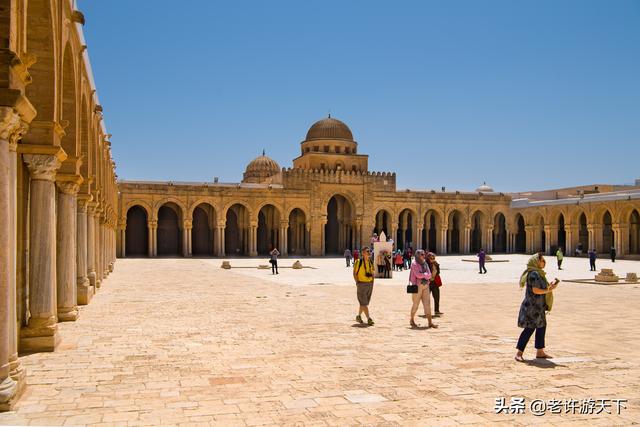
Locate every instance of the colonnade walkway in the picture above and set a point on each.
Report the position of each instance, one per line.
(181, 341)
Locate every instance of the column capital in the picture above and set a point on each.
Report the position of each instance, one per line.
(12, 127)
(187, 223)
(222, 223)
(68, 183)
(42, 166)
(284, 223)
(83, 202)
(152, 223)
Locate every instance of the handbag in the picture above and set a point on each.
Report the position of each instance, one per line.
(412, 289)
(438, 281)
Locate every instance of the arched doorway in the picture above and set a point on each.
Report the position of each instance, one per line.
(453, 233)
(499, 233)
(583, 234)
(382, 223)
(608, 240)
(236, 232)
(406, 226)
(297, 233)
(476, 232)
(202, 232)
(169, 230)
(137, 232)
(634, 233)
(521, 235)
(429, 232)
(562, 234)
(268, 228)
(338, 230)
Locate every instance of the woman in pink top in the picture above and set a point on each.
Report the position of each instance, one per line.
(420, 275)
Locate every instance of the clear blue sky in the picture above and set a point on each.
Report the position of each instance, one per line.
(525, 95)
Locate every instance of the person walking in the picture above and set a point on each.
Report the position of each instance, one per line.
(481, 260)
(532, 314)
(274, 260)
(347, 257)
(419, 275)
(363, 276)
(592, 259)
(559, 257)
(612, 253)
(434, 285)
(380, 263)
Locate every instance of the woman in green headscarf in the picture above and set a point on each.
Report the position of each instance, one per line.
(532, 310)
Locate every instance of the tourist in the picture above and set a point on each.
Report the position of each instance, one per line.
(532, 316)
(347, 257)
(559, 257)
(374, 239)
(387, 265)
(274, 260)
(419, 276)
(434, 286)
(380, 263)
(592, 259)
(481, 260)
(356, 254)
(578, 250)
(363, 276)
(406, 257)
(398, 261)
(613, 254)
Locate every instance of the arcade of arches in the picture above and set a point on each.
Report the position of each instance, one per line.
(58, 190)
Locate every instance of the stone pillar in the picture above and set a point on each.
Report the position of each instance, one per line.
(467, 239)
(592, 236)
(221, 239)
(41, 333)
(443, 239)
(104, 247)
(253, 239)
(323, 223)
(489, 239)
(548, 240)
(569, 239)
(91, 242)
(620, 239)
(284, 250)
(418, 238)
(187, 226)
(12, 375)
(66, 243)
(123, 239)
(98, 248)
(152, 226)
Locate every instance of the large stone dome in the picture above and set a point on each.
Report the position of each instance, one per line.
(329, 128)
(261, 168)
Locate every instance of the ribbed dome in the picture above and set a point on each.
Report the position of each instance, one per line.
(261, 168)
(329, 128)
(484, 188)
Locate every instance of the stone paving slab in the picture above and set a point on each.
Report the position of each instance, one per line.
(183, 342)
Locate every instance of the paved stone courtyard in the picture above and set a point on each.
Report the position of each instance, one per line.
(181, 341)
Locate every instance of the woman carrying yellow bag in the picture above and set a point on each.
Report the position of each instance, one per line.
(538, 299)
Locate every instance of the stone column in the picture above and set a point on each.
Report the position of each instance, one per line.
(467, 239)
(123, 239)
(284, 250)
(187, 226)
(67, 294)
(253, 239)
(84, 288)
(568, 229)
(547, 239)
(443, 239)
(41, 333)
(221, 241)
(489, 239)
(323, 223)
(104, 247)
(91, 242)
(12, 374)
(418, 238)
(98, 247)
(152, 226)
(592, 236)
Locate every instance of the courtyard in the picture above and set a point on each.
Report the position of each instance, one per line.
(182, 341)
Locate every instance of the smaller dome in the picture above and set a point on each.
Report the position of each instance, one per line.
(329, 128)
(261, 168)
(484, 188)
